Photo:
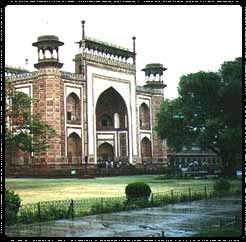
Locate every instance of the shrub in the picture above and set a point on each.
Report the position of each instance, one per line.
(28, 216)
(222, 186)
(52, 211)
(137, 190)
(12, 205)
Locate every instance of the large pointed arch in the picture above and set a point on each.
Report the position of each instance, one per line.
(109, 103)
(112, 123)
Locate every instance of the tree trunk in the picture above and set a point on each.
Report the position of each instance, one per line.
(229, 168)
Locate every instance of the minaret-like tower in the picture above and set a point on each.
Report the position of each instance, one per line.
(48, 91)
(155, 83)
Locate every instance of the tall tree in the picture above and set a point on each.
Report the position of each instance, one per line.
(23, 130)
(207, 113)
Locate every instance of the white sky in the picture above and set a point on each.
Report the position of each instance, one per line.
(184, 39)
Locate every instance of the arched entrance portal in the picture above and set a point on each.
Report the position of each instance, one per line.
(146, 150)
(112, 125)
(74, 151)
(105, 152)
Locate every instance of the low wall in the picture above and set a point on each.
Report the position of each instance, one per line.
(79, 171)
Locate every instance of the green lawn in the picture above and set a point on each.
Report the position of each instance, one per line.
(33, 190)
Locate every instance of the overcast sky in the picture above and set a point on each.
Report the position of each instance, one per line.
(184, 39)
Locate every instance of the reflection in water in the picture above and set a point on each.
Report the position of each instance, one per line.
(176, 220)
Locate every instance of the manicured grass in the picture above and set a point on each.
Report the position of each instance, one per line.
(32, 190)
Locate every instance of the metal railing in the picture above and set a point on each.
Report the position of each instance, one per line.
(64, 209)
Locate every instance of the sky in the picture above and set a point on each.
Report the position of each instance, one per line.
(185, 39)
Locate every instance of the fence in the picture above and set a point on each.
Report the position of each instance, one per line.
(64, 209)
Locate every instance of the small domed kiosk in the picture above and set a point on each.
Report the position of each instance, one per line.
(48, 51)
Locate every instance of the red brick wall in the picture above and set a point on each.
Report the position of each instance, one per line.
(159, 150)
(49, 92)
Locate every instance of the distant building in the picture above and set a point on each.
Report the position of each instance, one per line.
(98, 112)
(193, 158)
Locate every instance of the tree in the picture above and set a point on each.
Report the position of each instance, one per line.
(207, 113)
(172, 125)
(17, 111)
(34, 136)
(23, 130)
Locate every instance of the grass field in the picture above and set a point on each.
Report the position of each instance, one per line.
(32, 190)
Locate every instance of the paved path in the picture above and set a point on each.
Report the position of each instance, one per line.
(177, 220)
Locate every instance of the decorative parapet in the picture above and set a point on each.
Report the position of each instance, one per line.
(71, 76)
(35, 74)
(147, 90)
(15, 69)
(106, 43)
(24, 76)
(106, 61)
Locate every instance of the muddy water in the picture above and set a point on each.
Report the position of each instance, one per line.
(176, 220)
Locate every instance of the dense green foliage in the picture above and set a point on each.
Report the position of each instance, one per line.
(34, 136)
(12, 205)
(207, 114)
(222, 185)
(24, 130)
(137, 190)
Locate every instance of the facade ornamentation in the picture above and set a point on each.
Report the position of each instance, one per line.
(98, 112)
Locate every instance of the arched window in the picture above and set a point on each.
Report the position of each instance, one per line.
(106, 121)
(144, 116)
(146, 150)
(73, 108)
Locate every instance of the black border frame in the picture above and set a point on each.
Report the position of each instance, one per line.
(2, 98)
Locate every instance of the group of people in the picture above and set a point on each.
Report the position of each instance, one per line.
(110, 163)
